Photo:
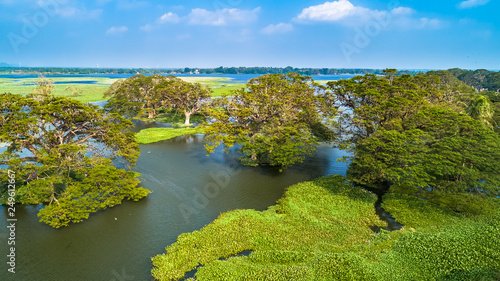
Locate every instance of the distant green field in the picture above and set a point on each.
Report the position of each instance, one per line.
(95, 92)
(88, 92)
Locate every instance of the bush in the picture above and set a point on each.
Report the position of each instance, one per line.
(465, 249)
(418, 213)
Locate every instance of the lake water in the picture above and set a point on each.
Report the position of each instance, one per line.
(189, 191)
(235, 78)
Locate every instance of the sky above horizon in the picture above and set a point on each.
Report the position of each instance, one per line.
(403, 34)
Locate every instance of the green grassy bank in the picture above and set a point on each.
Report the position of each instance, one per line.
(321, 230)
(152, 135)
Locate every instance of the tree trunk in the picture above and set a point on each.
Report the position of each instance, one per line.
(151, 114)
(188, 116)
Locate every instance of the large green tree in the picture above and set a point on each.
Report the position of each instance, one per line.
(403, 132)
(71, 157)
(494, 100)
(480, 108)
(138, 94)
(276, 120)
(189, 98)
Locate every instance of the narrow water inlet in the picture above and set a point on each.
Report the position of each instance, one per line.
(193, 272)
(392, 224)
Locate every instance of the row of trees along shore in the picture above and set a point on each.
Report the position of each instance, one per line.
(192, 70)
(428, 135)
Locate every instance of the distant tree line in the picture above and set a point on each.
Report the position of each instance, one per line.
(187, 70)
(481, 79)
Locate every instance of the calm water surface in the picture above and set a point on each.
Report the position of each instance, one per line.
(117, 244)
(235, 78)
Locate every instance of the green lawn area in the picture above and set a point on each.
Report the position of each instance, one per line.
(321, 230)
(225, 88)
(152, 135)
(95, 92)
(89, 92)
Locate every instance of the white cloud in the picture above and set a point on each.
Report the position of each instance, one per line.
(335, 11)
(344, 12)
(429, 23)
(278, 28)
(472, 3)
(168, 18)
(222, 17)
(146, 28)
(402, 11)
(116, 30)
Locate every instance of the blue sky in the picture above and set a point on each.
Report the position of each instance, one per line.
(409, 34)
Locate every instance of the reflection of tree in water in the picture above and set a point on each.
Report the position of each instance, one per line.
(317, 165)
(190, 139)
(142, 125)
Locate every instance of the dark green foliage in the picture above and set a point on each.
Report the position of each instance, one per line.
(468, 248)
(345, 266)
(274, 120)
(480, 79)
(138, 93)
(243, 269)
(449, 83)
(418, 213)
(149, 95)
(479, 107)
(69, 156)
(401, 132)
(104, 186)
(479, 274)
(493, 117)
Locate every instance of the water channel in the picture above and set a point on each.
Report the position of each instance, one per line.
(118, 243)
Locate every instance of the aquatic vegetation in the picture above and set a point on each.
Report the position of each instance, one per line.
(320, 230)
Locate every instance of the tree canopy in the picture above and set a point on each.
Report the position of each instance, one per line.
(403, 132)
(71, 157)
(139, 93)
(189, 98)
(276, 120)
(480, 79)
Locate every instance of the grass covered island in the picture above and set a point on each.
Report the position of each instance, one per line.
(322, 230)
(152, 135)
